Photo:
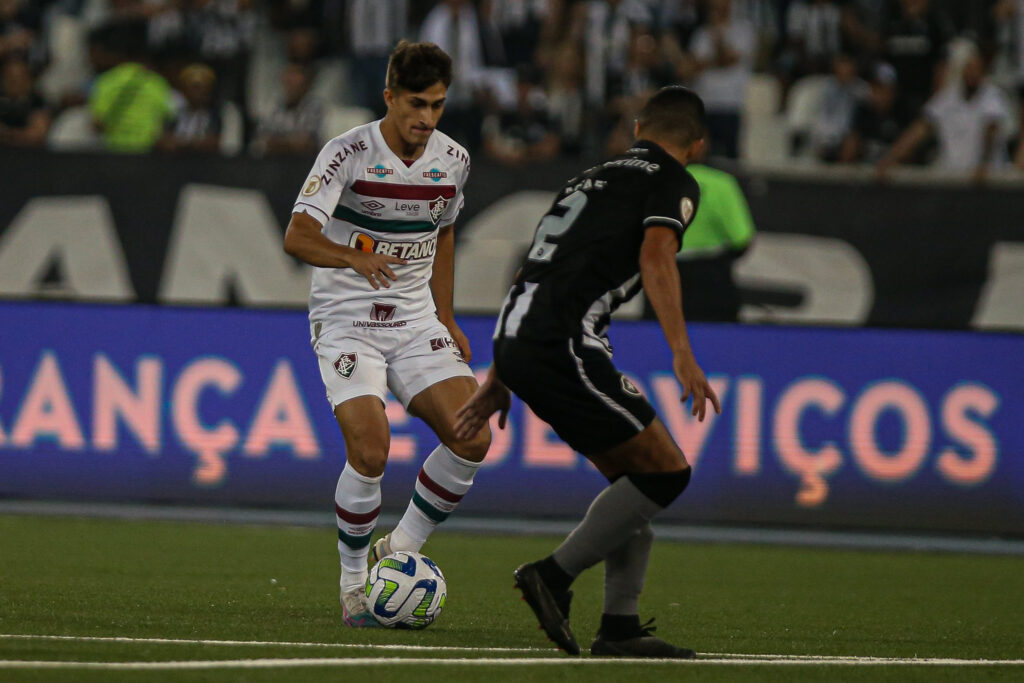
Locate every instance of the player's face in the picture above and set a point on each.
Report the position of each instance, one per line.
(416, 114)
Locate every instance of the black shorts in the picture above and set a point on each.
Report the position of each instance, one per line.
(592, 406)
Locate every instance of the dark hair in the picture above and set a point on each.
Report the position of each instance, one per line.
(414, 67)
(674, 113)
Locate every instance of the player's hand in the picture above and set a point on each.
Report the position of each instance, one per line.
(459, 337)
(376, 268)
(694, 384)
(492, 396)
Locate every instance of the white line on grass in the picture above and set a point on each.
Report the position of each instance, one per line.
(492, 661)
(270, 643)
(705, 658)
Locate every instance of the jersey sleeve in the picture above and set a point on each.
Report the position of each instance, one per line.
(322, 189)
(451, 212)
(672, 202)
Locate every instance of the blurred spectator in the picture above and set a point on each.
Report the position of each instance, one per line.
(605, 28)
(915, 38)
(878, 121)
(813, 35)
(374, 28)
(841, 94)
(1008, 23)
(970, 120)
(452, 25)
(646, 71)
(525, 134)
(676, 20)
(220, 33)
(24, 117)
(197, 124)
(566, 102)
(521, 26)
(813, 38)
(294, 125)
(130, 104)
(862, 25)
(723, 49)
(21, 32)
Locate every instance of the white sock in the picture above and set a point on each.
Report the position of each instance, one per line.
(356, 507)
(443, 480)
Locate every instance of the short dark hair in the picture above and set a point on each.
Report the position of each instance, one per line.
(414, 67)
(674, 113)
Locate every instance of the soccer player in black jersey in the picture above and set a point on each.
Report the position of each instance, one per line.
(611, 229)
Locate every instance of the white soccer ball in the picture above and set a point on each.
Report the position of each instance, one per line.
(406, 590)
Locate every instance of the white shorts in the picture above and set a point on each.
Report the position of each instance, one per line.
(368, 362)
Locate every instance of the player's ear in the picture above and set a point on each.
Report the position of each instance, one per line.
(389, 97)
(698, 150)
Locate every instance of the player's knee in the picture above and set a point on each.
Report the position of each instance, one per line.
(367, 457)
(474, 448)
(661, 487)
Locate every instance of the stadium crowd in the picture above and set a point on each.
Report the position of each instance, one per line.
(842, 81)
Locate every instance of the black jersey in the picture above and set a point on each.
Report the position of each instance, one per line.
(585, 257)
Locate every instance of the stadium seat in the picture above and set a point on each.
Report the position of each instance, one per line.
(763, 137)
(232, 133)
(802, 109)
(72, 131)
(338, 118)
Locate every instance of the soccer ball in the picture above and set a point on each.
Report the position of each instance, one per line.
(406, 590)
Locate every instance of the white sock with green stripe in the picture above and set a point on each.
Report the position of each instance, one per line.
(356, 506)
(443, 480)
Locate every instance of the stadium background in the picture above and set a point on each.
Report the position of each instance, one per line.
(152, 343)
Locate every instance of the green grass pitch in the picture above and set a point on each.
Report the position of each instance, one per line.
(272, 591)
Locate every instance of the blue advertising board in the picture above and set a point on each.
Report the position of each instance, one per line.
(820, 427)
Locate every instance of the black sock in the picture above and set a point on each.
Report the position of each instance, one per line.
(620, 626)
(554, 576)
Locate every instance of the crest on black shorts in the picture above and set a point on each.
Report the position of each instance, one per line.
(629, 387)
(346, 364)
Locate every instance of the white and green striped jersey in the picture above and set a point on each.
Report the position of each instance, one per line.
(366, 197)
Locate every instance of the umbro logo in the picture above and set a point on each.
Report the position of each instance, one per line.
(372, 205)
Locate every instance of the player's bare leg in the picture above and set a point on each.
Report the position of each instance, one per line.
(448, 471)
(364, 427)
(647, 473)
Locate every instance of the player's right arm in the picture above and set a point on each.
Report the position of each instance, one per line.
(304, 240)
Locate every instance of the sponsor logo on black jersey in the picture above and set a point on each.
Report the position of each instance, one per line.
(629, 387)
(686, 209)
(345, 365)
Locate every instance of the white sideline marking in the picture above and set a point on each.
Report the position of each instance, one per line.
(271, 643)
(493, 661)
(726, 658)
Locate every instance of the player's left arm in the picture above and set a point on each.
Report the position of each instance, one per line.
(442, 286)
(660, 278)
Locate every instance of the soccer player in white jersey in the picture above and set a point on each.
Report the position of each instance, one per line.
(375, 217)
